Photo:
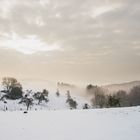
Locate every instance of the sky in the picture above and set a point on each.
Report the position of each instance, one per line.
(74, 41)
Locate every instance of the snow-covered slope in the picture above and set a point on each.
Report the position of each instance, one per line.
(96, 124)
(55, 103)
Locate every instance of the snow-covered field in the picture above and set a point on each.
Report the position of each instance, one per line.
(95, 124)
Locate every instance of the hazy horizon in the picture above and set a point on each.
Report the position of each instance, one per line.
(72, 41)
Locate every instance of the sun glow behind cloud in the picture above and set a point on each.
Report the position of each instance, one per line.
(26, 45)
(103, 9)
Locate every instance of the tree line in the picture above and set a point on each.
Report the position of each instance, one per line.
(120, 98)
(13, 90)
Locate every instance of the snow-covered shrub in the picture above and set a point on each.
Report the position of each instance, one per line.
(72, 103)
(41, 96)
(86, 106)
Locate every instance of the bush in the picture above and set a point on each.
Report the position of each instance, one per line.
(86, 106)
(45, 92)
(41, 96)
(57, 93)
(72, 103)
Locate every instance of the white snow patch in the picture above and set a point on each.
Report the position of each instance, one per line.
(96, 124)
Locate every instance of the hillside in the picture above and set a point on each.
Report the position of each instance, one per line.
(96, 124)
(54, 103)
(122, 86)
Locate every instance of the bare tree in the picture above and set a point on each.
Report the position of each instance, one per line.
(13, 88)
(123, 97)
(27, 101)
(134, 96)
(10, 82)
(98, 97)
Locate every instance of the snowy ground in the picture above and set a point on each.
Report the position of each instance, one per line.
(95, 124)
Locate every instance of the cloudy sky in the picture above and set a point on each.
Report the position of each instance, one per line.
(78, 41)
